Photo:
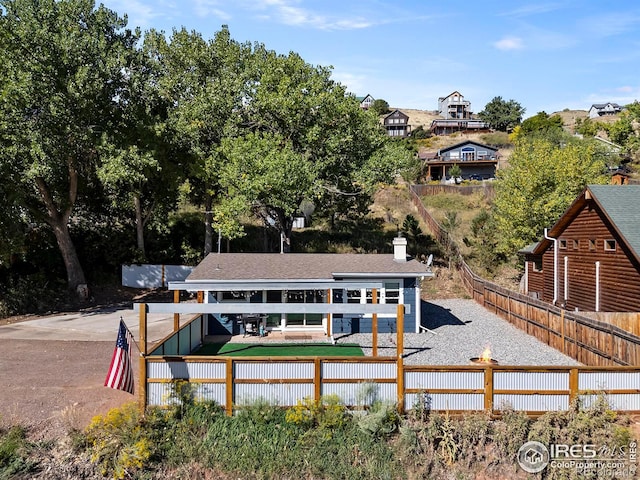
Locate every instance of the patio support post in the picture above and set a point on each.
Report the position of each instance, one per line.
(142, 344)
(329, 326)
(399, 357)
(200, 296)
(400, 333)
(176, 316)
(374, 322)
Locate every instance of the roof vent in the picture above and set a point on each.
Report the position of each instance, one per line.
(399, 249)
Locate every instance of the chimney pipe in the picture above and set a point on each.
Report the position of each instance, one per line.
(399, 249)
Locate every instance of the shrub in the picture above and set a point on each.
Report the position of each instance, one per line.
(326, 413)
(14, 453)
(381, 420)
(118, 441)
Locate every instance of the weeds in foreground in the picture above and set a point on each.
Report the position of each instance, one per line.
(324, 439)
(14, 453)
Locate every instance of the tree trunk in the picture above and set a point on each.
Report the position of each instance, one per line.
(208, 225)
(58, 220)
(75, 274)
(139, 225)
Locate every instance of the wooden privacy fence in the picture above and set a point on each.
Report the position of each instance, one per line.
(423, 190)
(588, 340)
(359, 381)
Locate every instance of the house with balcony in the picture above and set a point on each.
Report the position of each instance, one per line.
(397, 124)
(476, 161)
(454, 106)
(603, 109)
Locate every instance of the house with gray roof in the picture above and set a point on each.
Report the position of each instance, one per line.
(590, 259)
(476, 161)
(304, 280)
(602, 109)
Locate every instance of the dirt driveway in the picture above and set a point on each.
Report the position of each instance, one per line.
(55, 385)
(52, 368)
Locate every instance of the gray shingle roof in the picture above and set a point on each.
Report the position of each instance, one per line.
(621, 203)
(300, 266)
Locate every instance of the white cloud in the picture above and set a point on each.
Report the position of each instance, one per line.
(509, 43)
(207, 8)
(533, 9)
(288, 12)
(610, 24)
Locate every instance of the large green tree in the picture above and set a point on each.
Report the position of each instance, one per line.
(539, 185)
(141, 166)
(63, 65)
(202, 82)
(314, 118)
(502, 115)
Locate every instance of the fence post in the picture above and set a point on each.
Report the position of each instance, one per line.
(488, 389)
(399, 357)
(229, 387)
(573, 385)
(562, 331)
(317, 379)
(400, 383)
(142, 344)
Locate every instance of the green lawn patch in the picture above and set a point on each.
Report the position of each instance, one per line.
(280, 350)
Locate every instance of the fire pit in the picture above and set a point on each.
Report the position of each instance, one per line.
(484, 359)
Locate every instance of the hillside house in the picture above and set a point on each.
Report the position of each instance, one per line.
(447, 127)
(454, 106)
(476, 161)
(366, 102)
(397, 124)
(302, 281)
(602, 109)
(590, 259)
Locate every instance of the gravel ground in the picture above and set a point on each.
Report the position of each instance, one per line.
(463, 329)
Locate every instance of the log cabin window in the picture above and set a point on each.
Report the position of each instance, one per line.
(592, 244)
(576, 244)
(537, 265)
(610, 245)
(563, 244)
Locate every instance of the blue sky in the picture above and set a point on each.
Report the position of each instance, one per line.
(545, 55)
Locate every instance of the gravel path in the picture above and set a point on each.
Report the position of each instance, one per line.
(463, 329)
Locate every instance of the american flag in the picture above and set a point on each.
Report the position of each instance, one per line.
(120, 374)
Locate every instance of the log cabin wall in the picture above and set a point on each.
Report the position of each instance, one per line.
(588, 239)
(590, 341)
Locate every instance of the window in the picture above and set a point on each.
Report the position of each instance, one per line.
(392, 292)
(576, 244)
(563, 244)
(537, 265)
(592, 244)
(353, 296)
(609, 245)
